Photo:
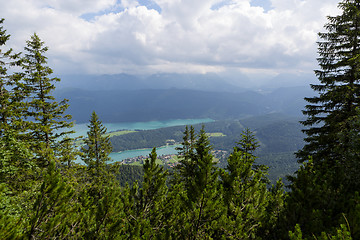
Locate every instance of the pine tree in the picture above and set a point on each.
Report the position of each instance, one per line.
(46, 117)
(10, 223)
(326, 186)
(15, 167)
(184, 171)
(147, 210)
(8, 59)
(202, 202)
(55, 212)
(101, 192)
(96, 150)
(330, 113)
(153, 191)
(249, 203)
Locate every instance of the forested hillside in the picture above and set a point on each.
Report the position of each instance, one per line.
(44, 194)
(279, 138)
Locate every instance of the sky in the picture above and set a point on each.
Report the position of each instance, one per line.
(251, 37)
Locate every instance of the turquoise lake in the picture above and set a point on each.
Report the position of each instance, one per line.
(81, 130)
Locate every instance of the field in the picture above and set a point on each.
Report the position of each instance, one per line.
(80, 142)
(119, 133)
(216, 134)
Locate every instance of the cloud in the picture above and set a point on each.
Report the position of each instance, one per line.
(175, 36)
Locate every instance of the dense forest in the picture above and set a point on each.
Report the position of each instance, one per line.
(45, 195)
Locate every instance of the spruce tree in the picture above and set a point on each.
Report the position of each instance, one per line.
(202, 202)
(184, 171)
(146, 216)
(96, 150)
(153, 191)
(100, 196)
(324, 188)
(46, 118)
(330, 113)
(251, 207)
(8, 59)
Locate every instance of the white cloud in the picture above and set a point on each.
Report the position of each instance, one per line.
(185, 36)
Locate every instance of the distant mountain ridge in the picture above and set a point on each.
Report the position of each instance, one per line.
(164, 104)
(205, 82)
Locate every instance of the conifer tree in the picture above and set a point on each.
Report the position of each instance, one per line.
(147, 212)
(326, 186)
(7, 82)
(101, 192)
(153, 190)
(96, 150)
(330, 112)
(245, 189)
(187, 153)
(15, 168)
(45, 116)
(10, 223)
(54, 214)
(202, 200)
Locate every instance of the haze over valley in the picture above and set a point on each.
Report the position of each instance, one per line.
(127, 98)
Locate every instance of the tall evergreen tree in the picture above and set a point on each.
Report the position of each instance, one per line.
(251, 207)
(187, 152)
(330, 113)
(146, 216)
(153, 191)
(7, 60)
(96, 150)
(325, 188)
(202, 201)
(46, 118)
(101, 191)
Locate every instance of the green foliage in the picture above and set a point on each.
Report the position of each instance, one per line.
(100, 195)
(9, 222)
(154, 184)
(330, 111)
(16, 169)
(96, 150)
(342, 233)
(44, 116)
(8, 59)
(252, 209)
(200, 198)
(53, 198)
(103, 213)
(326, 187)
(147, 204)
(54, 212)
(129, 174)
(318, 205)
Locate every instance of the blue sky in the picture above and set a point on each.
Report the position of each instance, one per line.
(266, 4)
(150, 5)
(230, 37)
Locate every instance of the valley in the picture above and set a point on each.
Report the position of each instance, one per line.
(279, 137)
